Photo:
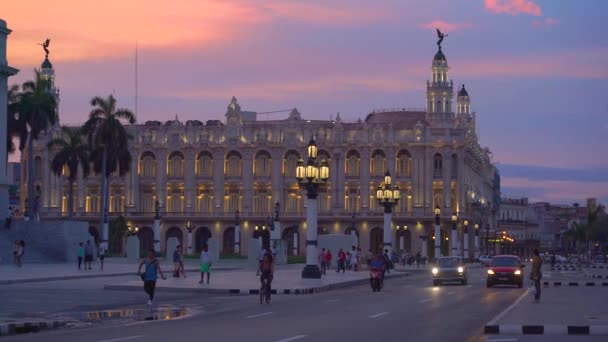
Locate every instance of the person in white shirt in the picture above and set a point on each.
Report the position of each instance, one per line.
(206, 261)
(354, 258)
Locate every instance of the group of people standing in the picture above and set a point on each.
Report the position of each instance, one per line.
(349, 260)
(86, 254)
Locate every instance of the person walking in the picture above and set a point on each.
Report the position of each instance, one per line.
(418, 260)
(20, 252)
(341, 261)
(206, 261)
(354, 259)
(101, 254)
(88, 255)
(323, 261)
(536, 274)
(80, 254)
(176, 262)
(182, 269)
(150, 275)
(387, 262)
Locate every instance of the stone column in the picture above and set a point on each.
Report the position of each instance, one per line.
(447, 183)
(190, 183)
(476, 243)
(237, 239)
(248, 181)
(339, 170)
(161, 178)
(157, 235)
(454, 239)
(5, 72)
(365, 180)
(276, 175)
(218, 181)
(134, 191)
(466, 243)
(79, 206)
(437, 238)
(428, 180)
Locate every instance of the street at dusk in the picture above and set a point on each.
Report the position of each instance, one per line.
(291, 170)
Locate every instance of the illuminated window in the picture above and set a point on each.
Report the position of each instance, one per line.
(378, 163)
(147, 165)
(290, 162)
(262, 164)
(353, 161)
(204, 164)
(233, 164)
(404, 164)
(175, 166)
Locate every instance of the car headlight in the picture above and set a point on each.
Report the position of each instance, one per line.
(518, 272)
(460, 269)
(435, 270)
(490, 272)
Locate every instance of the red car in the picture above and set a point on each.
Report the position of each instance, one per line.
(505, 269)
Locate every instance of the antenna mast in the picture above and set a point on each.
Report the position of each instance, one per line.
(136, 85)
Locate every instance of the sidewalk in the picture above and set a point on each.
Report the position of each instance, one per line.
(562, 310)
(113, 267)
(286, 281)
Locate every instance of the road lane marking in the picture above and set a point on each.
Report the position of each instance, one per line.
(451, 292)
(506, 311)
(501, 339)
(293, 338)
(378, 315)
(424, 301)
(122, 338)
(332, 300)
(259, 315)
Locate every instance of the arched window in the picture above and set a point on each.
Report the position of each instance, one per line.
(175, 167)
(92, 201)
(437, 166)
(353, 160)
(290, 162)
(233, 164)
(404, 164)
(204, 164)
(262, 164)
(352, 200)
(147, 164)
(378, 163)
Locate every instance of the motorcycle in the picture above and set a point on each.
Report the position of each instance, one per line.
(375, 278)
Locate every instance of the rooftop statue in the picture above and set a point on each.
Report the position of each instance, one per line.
(45, 46)
(440, 35)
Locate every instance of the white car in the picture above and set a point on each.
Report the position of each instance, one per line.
(485, 259)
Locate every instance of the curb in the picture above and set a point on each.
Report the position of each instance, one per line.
(30, 327)
(91, 276)
(573, 284)
(293, 291)
(547, 329)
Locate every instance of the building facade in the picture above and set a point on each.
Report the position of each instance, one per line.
(205, 174)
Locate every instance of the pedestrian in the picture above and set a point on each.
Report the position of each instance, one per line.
(341, 261)
(206, 261)
(20, 252)
(354, 259)
(182, 269)
(348, 261)
(260, 260)
(387, 262)
(323, 261)
(418, 260)
(329, 257)
(536, 274)
(80, 254)
(88, 255)
(176, 262)
(150, 275)
(15, 250)
(101, 254)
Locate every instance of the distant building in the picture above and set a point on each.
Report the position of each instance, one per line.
(515, 219)
(204, 174)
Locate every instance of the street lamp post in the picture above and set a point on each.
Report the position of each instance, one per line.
(311, 177)
(454, 234)
(476, 241)
(437, 232)
(488, 239)
(189, 228)
(237, 233)
(157, 226)
(466, 239)
(401, 242)
(388, 196)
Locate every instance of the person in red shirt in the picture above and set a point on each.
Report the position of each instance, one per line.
(341, 261)
(329, 257)
(323, 260)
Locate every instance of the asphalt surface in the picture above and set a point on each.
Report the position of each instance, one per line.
(406, 309)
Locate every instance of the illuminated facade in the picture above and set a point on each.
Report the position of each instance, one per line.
(203, 173)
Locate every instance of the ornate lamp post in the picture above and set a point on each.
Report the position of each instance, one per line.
(476, 241)
(401, 242)
(132, 231)
(388, 196)
(437, 232)
(466, 255)
(311, 177)
(190, 228)
(157, 226)
(237, 233)
(454, 234)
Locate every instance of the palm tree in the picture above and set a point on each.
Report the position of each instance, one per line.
(106, 133)
(71, 152)
(37, 111)
(15, 126)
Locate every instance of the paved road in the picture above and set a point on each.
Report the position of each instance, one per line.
(407, 309)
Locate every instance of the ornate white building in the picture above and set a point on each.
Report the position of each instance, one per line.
(203, 173)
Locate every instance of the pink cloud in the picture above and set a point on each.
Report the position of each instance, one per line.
(512, 7)
(445, 26)
(324, 14)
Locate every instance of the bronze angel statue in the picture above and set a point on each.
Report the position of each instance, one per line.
(440, 35)
(45, 46)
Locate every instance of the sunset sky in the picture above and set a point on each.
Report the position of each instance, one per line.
(536, 71)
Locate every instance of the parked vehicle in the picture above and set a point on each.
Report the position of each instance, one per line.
(449, 269)
(505, 269)
(485, 259)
